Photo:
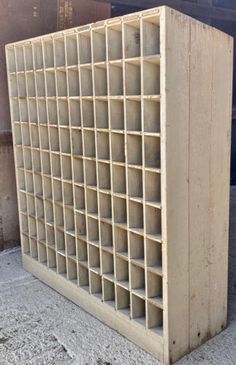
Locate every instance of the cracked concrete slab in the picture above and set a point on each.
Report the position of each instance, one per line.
(39, 326)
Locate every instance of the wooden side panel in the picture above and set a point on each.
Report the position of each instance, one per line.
(220, 179)
(174, 152)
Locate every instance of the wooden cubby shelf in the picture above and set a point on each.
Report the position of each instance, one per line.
(122, 182)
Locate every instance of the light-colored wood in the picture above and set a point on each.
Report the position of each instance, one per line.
(121, 138)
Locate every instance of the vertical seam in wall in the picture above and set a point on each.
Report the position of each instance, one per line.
(188, 224)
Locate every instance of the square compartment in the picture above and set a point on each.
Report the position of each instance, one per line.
(108, 292)
(153, 221)
(118, 147)
(57, 190)
(78, 170)
(70, 246)
(33, 117)
(122, 271)
(95, 284)
(134, 150)
(63, 112)
(44, 139)
(92, 204)
(61, 265)
(121, 241)
(31, 89)
(38, 55)
(132, 39)
(48, 53)
(151, 36)
(135, 181)
(66, 168)
(75, 117)
(152, 116)
(100, 80)
(50, 83)
(93, 230)
(152, 152)
(52, 112)
(65, 140)
(119, 208)
(99, 45)
(133, 78)
(89, 143)
(94, 257)
(90, 170)
(119, 179)
(85, 47)
(106, 234)
(104, 179)
(155, 318)
(116, 79)
(152, 187)
(87, 114)
(117, 114)
(40, 84)
(46, 165)
(80, 224)
(105, 206)
(101, 114)
(56, 165)
(49, 212)
(83, 277)
(133, 115)
(154, 286)
(107, 263)
(60, 240)
(154, 255)
(138, 309)
(123, 300)
(135, 215)
(69, 220)
(82, 251)
(59, 219)
(86, 81)
(59, 48)
(114, 35)
(23, 110)
(151, 78)
(71, 50)
(52, 264)
(42, 112)
(72, 271)
(79, 198)
(136, 247)
(54, 139)
(103, 148)
(68, 194)
(47, 188)
(73, 82)
(28, 52)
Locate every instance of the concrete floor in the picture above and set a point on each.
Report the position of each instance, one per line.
(40, 327)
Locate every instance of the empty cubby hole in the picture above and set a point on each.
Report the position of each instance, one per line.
(153, 221)
(114, 35)
(28, 57)
(52, 112)
(151, 36)
(30, 80)
(63, 112)
(151, 78)
(50, 235)
(75, 117)
(27, 159)
(154, 255)
(38, 185)
(133, 78)
(71, 50)
(95, 284)
(132, 39)
(133, 115)
(11, 59)
(92, 204)
(22, 202)
(80, 224)
(116, 79)
(65, 140)
(48, 53)
(155, 318)
(134, 150)
(19, 161)
(46, 166)
(54, 138)
(154, 286)
(44, 138)
(31, 205)
(83, 277)
(42, 253)
(103, 149)
(33, 248)
(107, 263)
(108, 292)
(21, 86)
(152, 152)
(138, 309)
(152, 187)
(117, 114)
(15, 110)
(138, 279)
(70, 246)
(86, 81)
(73, 82)
(85, 47)
(87, 114)
(118, 147)
(59, 48)
(32, 227)
(68, 194)
(89, 143)
(51, 83)
(41, 231)
(72, 271)
(34, 136)
(105, 205)
(151, 116)
(101, 114)
(21, 180)
(99, 45)
(90, 170)
(79, 198)
(78, 170)
(17, 134)
(119, 209)
(119, 179)
(61, 83)
(47, 187)
(24, 224)
(57, 190)
(136, 247)
(106, 234)
(100, 80)
(40, 84)
(61, 265)
(25, 134)
(94, 257)
(69, 220)
(121, 241)
(104, 180)
(77, 147)
(13, 86)
(33, 118)
(52, 264)
(36, 161)
(60, 240)
(23, 110)
(93, 230)
(56, 165)
(58, 213)
(42, 111)
(38, 55)
(135, 183)
(39, 203)
(66, 168)
(25, 244)
(123, 300)
(122, 271)
(20, 65)
(82, 250)
(49, 211)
